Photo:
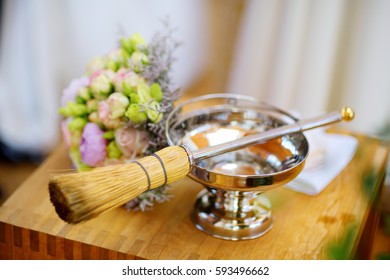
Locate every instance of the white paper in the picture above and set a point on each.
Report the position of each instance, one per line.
(339, 151)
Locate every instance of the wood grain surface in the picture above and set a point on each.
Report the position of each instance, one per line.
(337, 223)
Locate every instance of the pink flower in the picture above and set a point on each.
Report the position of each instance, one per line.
(118, 103)
(100, 82)
(104, 115)
(117, 80)
(132, 80)
(97, 63)
(111, 110)
(103, 111)
(65, 132)
(126, 81)
(95, 74)
(132, 142)
(92, 145)
(70, 93)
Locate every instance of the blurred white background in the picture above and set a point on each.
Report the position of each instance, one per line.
(303, 55)
(45, 44)
(316, 56)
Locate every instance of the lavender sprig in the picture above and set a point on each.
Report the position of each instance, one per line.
(160, 54)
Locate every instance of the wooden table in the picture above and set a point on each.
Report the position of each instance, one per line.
(338, 223)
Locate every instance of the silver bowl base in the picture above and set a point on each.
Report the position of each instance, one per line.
(232, 215)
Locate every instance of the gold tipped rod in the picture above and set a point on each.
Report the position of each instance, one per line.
(78, 197)
(346, 114)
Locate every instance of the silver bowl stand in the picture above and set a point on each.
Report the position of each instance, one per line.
(233, 205)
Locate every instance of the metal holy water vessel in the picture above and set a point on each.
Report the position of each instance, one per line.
(233, 205)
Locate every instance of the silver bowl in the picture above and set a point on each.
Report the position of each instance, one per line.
(233, 205)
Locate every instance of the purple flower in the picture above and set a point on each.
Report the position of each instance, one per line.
(70, 93)
(92, 145)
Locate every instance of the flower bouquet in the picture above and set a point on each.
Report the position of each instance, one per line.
(116, 112)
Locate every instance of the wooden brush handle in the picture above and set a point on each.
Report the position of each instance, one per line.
(81, 196)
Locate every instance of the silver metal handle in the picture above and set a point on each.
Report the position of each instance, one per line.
(346, 114)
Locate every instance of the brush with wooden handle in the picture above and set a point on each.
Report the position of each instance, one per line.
(81, 196)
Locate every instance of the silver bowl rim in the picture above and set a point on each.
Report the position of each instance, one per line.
(244, 98)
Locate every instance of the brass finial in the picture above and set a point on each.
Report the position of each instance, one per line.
(347, 114)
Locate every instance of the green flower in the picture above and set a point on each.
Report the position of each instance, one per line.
(77, 124)
(79, 100)
(134, 98)
(92, 105)
(138, 59)
(156, 92)
(109, 135)
(130, 83)
(101, 85)
(113, 150)
(97, 63)
(143, 93)
(135, 114)
(116, 59)
(133, 43)
(73, 109)
(94, 117)
(84, 93)
(153, 112)
(136, 40)
(75, 155)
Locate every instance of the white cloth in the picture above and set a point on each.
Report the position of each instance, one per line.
(329, 154)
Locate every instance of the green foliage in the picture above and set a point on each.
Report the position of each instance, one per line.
(340, 250)
(113, 150)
